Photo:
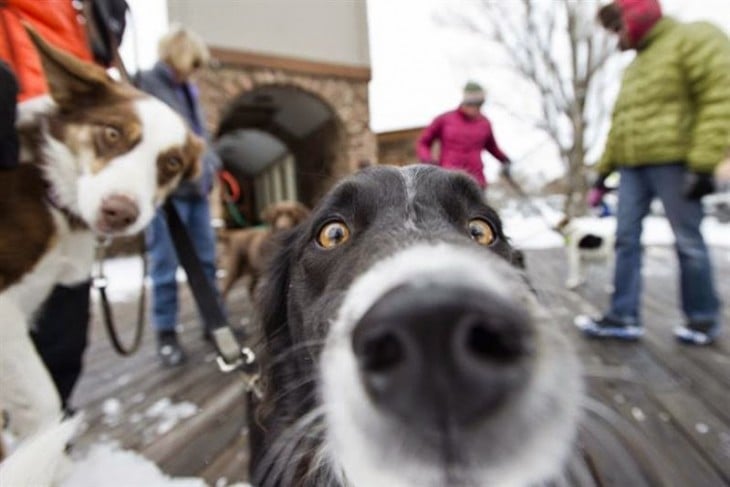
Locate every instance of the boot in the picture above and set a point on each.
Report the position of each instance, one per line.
(169, 350)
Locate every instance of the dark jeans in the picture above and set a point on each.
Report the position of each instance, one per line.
(60, 335)
(195, 214)
(637, 189)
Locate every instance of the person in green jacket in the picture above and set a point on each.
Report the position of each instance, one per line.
(670, 128)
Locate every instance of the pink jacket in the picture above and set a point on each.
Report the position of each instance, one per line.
(462, 141)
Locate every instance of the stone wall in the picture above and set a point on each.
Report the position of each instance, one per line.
(346, 97)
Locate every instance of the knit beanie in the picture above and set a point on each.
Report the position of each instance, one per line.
(473, 93)
(639, 16)
(610, 17)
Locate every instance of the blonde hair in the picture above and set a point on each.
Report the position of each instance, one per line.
(183, 49)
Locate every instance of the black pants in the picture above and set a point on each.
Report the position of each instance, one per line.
(8, 136)
(60, 335)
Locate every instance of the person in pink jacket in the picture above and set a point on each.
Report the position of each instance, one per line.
(463, 134)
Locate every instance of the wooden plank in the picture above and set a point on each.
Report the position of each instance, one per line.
(679, 395)
(640, 376)
(231, 465)
(134, 427)
(186, 450)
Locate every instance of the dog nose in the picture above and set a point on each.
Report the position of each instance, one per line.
(118, 212)
(437, 354)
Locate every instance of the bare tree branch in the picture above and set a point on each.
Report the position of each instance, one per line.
(555, 46)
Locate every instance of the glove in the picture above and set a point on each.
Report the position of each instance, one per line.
(597, 192)
(507, 169)
(697, 185)
(595, 196)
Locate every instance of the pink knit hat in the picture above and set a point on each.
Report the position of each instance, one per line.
(639, 16)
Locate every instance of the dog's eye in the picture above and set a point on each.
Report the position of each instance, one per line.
(332, 235)
(173, 163)
(112, 134)
(481, 232)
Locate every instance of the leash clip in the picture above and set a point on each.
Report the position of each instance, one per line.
(98, 277)
(231, 356)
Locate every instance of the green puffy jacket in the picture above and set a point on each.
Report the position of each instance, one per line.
(674, 103)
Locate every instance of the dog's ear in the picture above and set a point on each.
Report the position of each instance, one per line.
(194, 150)
(70, 80)
(271, 294)
(300, 211)
(271, 305)
(268, 214)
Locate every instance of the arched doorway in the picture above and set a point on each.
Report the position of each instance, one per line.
(280, 142)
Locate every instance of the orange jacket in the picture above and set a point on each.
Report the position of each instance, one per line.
(58, 21)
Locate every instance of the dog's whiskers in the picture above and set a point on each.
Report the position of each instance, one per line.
(305, 447)
(286, 354)
(285, 444)
(291, 388)
(321, 470)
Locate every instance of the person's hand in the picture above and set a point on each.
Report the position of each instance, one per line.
(595, 196)
(697, 185)
(597, 192)
(507, 169)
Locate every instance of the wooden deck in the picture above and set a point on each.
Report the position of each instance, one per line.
(658, 413)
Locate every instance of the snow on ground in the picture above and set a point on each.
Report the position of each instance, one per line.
(163, 413)
(168, 414)
(532, 232)
(529, 227)
(124, 276)
(106, 465)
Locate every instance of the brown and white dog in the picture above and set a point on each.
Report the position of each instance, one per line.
(96, 162)
(247, 248)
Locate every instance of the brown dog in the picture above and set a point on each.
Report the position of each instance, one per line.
(247, 248)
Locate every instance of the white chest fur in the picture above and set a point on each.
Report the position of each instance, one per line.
(68, 261)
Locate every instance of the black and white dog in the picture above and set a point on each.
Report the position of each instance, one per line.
(402, 349)
(585, 243)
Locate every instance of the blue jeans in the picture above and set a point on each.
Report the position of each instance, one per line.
(637, 189)
(195, 214)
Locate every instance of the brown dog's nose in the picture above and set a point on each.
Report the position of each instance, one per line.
(118, 212)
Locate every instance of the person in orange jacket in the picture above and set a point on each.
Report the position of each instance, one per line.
(60, 22)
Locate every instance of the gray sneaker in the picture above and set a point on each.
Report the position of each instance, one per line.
(607, 327)
(698, 332)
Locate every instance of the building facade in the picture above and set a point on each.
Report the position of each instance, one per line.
(286, 95)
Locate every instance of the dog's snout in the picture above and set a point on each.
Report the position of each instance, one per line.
(437, 353)
(118, 212)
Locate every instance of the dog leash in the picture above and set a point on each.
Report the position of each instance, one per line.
(232, 355)
(100, 283)
(526, 198)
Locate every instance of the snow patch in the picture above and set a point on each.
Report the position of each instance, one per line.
(169, 414)
(124, 277)
(106, 465)
(533, 231)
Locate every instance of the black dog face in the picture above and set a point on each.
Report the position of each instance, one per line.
(404, 349)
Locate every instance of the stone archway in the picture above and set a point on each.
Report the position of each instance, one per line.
(335, 142)
(308, 129)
